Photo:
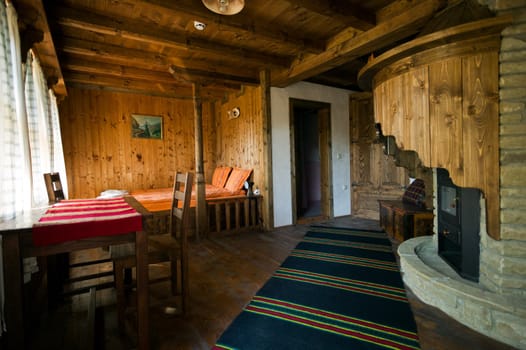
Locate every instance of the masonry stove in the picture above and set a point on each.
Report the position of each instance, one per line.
(458, 216)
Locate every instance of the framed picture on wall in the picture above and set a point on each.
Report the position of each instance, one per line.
(147, 126)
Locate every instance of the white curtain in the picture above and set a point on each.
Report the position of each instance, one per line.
(14, 158)
(15, 177)
(58, 163)
(44, 130)
(29, 132)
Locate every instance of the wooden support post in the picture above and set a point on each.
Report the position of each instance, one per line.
(201, 225)
(266, 188)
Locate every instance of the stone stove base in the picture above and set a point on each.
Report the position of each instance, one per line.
(433, 281)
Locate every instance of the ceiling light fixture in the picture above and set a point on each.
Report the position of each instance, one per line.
(199, 25)
(224, 7)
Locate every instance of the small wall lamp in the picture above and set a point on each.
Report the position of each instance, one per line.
(234, 113)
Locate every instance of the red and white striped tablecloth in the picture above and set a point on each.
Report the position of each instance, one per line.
(76, 219)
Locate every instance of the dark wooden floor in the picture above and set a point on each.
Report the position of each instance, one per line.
(225, 273)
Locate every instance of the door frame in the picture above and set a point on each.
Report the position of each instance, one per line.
(325, 146)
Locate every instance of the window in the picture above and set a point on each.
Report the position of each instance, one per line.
(30, 133)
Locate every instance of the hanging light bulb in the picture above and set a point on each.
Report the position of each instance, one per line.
(224, 7)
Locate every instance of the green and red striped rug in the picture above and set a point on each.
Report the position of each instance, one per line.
(339, 289)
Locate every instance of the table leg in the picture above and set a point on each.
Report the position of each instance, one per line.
(14, 304)
(141, 254)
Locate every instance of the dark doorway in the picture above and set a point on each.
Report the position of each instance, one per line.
(311, 160)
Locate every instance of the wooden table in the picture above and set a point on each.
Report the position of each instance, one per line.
(18, 244)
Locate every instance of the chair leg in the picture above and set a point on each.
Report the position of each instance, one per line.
(178, 284)
(118, 268)
(128, 278)
(184, 284)
(174, 277)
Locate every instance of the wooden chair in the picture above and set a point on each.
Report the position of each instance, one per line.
(166, 247)
(61, 263)
(54, 187)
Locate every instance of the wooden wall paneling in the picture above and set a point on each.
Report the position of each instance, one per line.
(241, 140)
(86, 164)
(377, 173)
(139, 157)
(389, 174)
(374, 175)
(210, 132)
(362, 134)
(362, 117)
(242, 137)
(445, 112)
(481, 130)
(416, 120)
(121, 170)
(385, 107)
(100, 152)
(103, 137)
(396, 108)
(156, 152)
(404, 135)
(381, 108)
(361, 164)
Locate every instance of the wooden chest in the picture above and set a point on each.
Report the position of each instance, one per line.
(402, 221)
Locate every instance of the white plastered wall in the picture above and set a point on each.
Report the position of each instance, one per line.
(281, 152)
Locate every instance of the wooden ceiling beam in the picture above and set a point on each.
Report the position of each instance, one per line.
(132, 73)
(30, 36)
(182, 95)
(336, 78)
(147, 60)
(122, 82)
(142, 32)
(353, 15)
(35, 33)
(116, 70)
(395, 8)
(392, 30)
(204, 77)
(100, 82)
(246, 28)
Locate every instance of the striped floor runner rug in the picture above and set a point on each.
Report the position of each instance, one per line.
(339, 289)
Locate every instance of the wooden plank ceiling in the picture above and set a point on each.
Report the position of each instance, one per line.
(153, 47)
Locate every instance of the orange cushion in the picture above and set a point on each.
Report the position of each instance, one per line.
(237, 178)
(220, 176)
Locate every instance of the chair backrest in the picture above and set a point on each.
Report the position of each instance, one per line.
(54, 187)
(182, 193)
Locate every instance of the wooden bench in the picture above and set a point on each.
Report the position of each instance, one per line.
(226, 215)
(233, 214)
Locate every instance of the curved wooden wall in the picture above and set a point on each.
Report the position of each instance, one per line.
(439, 96)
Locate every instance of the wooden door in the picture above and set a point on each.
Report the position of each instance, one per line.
(311, 178)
